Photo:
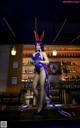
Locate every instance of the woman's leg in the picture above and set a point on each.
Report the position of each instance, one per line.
(35, 82)
(42, 87)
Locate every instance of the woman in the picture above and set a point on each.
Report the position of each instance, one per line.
(40, 61)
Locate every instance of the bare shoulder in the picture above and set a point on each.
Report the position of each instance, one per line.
(34, 53)
(44, 53)
(45, 57)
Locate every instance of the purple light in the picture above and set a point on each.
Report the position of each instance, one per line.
(71, 1)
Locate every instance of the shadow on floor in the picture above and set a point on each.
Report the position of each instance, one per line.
(51, 118)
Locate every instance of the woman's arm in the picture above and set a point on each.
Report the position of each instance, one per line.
(46, 60)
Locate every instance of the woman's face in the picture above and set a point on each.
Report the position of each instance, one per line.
(38, 47)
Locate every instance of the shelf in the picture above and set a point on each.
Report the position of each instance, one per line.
(27, 73)
(28, 65)
(27, 81)
(70, 65)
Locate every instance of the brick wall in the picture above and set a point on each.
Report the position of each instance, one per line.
(4, 61)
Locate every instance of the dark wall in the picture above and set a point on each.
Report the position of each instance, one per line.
(20, 14)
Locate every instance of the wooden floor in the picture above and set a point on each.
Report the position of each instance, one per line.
(51, 117)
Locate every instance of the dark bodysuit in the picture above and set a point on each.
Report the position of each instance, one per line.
(37, 57)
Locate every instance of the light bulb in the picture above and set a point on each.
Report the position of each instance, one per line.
(13, 51)
(54, 53)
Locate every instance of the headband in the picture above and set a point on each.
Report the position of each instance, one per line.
(37, 37)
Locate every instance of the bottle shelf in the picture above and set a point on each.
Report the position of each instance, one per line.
(27, 64)
(68, 60)
(28, 73)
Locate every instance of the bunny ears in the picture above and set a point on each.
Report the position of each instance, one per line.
(37, 37)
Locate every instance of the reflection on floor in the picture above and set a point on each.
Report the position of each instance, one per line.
(51, 118)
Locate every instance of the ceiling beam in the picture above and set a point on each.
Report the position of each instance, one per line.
(59, 30)
(74, 39)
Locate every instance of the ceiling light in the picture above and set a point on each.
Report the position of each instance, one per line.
(13, 51)
(54, 53)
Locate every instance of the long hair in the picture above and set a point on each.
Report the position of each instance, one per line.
(41, 45)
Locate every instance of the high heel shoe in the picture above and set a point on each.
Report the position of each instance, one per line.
(41, 112)
(24, 107)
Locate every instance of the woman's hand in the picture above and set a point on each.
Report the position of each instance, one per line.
(35, 62)
(32, 62)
